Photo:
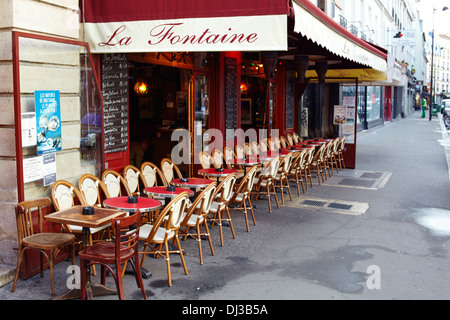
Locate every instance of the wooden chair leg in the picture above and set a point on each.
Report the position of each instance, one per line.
(19, 263)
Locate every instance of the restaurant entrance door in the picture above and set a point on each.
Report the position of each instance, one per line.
(201, 118)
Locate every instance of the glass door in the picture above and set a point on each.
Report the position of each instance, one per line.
(201, 116)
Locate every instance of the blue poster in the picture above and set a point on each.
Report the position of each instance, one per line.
(48, 121)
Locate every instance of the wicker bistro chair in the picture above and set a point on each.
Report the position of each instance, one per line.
(340, 152)
(93, 189)
(151, 175)
(296, 138)
(290, 139)
(165, 228)
(115, 183)
(283, 142)
(219, 206)
(255, 147)
(217, 158)
(281, 178)
(195, 217)
(132, 176)
(205, 159)
(248, 150)
(306, 168)
(316, 165)
(123, 249)
(239, 151)
(266, 180)
(242, 195)
(297, 169)
(169, 170)
(49, 244)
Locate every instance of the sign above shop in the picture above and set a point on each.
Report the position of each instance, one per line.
(180, 26)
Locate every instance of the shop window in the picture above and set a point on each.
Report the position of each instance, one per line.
(59, 102)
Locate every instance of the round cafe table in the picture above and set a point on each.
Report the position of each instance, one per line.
(247, 162)
(168, 195)
(144, 204)
(211, 172)
(192, 183)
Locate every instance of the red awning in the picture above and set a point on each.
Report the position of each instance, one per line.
(180, 25)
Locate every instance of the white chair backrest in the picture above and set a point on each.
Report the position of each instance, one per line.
(112, 183)
(132, 178)
(240, 152)
(89, 188)
(217, 157)
(150, 175)
(207, 200)
(176, 213)
(205, 160)
(263, 145)
(64, 196)
(290, 140)
(227, 188)
(248, 149)
(228, 154)
(277, 142)
(167, 169)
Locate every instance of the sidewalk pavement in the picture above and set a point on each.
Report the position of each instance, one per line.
(379, 231)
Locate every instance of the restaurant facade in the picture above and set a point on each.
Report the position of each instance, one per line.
(79, 89)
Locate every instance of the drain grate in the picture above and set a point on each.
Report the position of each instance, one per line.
(341, 206)
(313, 203)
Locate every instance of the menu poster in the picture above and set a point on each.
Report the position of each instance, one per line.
(115, 101)
(48, 121)
(340, 115)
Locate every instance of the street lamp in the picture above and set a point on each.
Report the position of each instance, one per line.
(432, 62)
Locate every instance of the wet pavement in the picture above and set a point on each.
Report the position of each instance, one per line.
(395, 245)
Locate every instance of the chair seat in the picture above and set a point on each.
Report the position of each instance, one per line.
(105, 252)
(48, 240)
(192, 222)
(159, 236)
(239, 197)
(216, 206)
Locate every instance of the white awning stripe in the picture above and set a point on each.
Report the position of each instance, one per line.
(315, 30)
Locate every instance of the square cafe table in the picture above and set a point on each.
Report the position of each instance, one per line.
(74, 216)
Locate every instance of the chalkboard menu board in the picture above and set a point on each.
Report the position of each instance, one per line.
(115, 102)
(289, 100)
(231, 97)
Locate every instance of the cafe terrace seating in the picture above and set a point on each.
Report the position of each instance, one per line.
(124, 248)
(117, 186)
(316, 166)
(340, 152)
(152, 175)
(296, 172)
(49, 244)
(281, 177)
(242, 195)
(248, 149)
(266, 180)
(156, 236)
(93, 189)
(219, 206)
(133, 178)
(283, 142)
(195, 217)
(65, 195)
(169, 170)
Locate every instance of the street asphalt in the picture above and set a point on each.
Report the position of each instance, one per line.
(387, 237)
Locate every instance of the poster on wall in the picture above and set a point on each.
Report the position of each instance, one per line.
(28, 129)
(48, 121)
(340, 115)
